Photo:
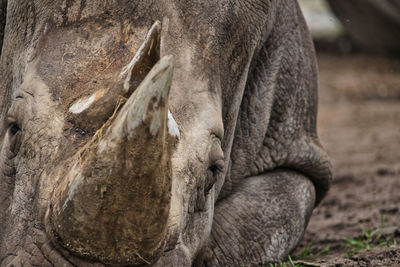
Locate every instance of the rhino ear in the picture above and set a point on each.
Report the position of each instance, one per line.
(144, 60)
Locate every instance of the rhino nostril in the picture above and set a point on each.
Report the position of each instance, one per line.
(211, 179)
(217, 166)
(213, 171)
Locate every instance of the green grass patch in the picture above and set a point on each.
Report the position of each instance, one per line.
(307, 253)
(370, 239)
(290, 263)
(296, 260)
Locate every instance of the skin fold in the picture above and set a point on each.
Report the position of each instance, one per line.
(164, 133)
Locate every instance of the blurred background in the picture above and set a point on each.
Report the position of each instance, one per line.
(358, 52)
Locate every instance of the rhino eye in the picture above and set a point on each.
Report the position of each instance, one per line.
(14, 128)
(14, 136)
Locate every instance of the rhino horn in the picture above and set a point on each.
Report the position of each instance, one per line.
(123, 84)
(147, 55)
(113, 201)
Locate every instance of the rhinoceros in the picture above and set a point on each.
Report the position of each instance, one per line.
(164, 133)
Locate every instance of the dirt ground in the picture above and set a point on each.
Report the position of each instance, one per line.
(359, 125)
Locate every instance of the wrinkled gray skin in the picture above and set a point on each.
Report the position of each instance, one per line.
(118, 186)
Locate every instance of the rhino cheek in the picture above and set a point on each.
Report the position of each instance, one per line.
(40, 126)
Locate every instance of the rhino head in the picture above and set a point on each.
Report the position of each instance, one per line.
(118, 126)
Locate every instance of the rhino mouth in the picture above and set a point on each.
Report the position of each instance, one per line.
(112, 202)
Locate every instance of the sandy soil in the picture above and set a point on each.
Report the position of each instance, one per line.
(359, 125)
